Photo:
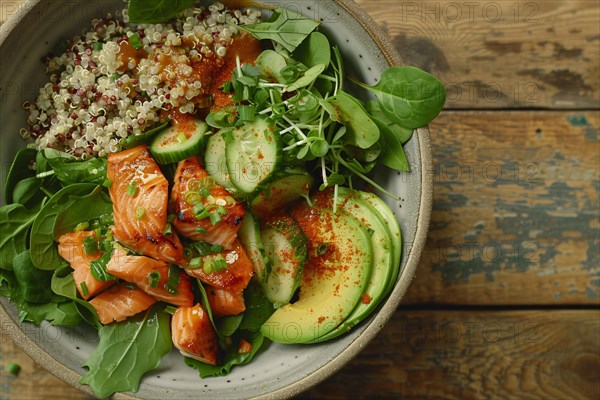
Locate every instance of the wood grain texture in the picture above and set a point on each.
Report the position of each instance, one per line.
(500, 54)
(516, 210)
(430, 354)
(476, 355)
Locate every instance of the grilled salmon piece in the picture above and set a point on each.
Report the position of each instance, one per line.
(120, 302)
(70, 247)
(139, 192)
(193, 334)
(234, 277)
(194, 197)
(224, 302)
(138, 270)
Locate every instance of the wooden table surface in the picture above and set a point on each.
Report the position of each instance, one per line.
(506, 301)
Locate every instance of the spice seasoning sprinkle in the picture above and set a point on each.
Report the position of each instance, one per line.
(115, 79)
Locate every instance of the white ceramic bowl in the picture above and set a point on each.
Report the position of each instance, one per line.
(283, 370)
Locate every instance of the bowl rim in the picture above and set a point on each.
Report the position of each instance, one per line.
(383, 42)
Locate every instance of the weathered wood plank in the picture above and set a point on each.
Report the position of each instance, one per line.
(501, 54)
(516, 210)
(476, 355)
(430, 354)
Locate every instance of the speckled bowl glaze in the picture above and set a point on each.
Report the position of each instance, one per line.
(282, 371)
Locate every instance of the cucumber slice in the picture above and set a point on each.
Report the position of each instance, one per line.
(249, 235)
(177, 143)
(280, 192)
(253, 154)
(215, 163)
(286, 248)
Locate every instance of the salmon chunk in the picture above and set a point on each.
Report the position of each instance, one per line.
(204, 211)
(151, 276)
(120, 302)
(193, 334)
(71, 248)
(234, 277)
(224, 302)
(139, 192)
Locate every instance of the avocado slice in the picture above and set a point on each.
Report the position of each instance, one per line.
(340, 259)
(383, 260)
(389, 218)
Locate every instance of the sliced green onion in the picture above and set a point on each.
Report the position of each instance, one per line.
(135, 41)
(168, 231)
(219, 264)
(131, 286)
(194, 185)
(247, 113)
(132, 189)
(170, 310)
(90, 245)
(107, 183)
(193, 198)
(84, 289)
(106, 219)
(140, 212)
(153, 278)
(181, 138)
(215, 218)
(173, 280)
(200, 230)
(82, 226)
(13, 368)
(195, 263)
(205, 192)
(171, 218)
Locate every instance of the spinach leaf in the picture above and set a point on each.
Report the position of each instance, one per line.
(409, 96)
(69, 170)
(145, 138)
(94, 205)
(26, 190)
(284, 27)
(127, 350)
(156, 11)
(19, 170)
(63, 284)
(362, 131)
(228, 325)
(33, 284)
(314, 51)
(232, 357)
(15, 222)
(308, 78)
(392, 152)
(258, 308)
(401, 133)
(73, 204)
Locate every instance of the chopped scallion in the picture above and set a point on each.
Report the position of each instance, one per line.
(82, 226)
(84, 289)
(247, 113)
(173, 280)
(181, 138)
(168, 231)
(132, 189)
(153, 278)
(200, 230)
(227, 87)
(195, 263)
(170, 310)
(107, 183)
(215, 218)
(90, 245)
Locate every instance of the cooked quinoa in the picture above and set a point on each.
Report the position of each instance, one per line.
(113, 80)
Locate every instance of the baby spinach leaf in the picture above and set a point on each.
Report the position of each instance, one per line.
(145, 138)
(156, 11)
(401, 133)
(19, 170)
(308, 78)
(34, 285)
(26, 190)
(362, 131)
(258, 308)
(63, 284)
(15, 222)
(409, 96)
(69, 170)
(284, 27)
(314, 51)
(232, 355)
(73, 204)
(127, 350)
